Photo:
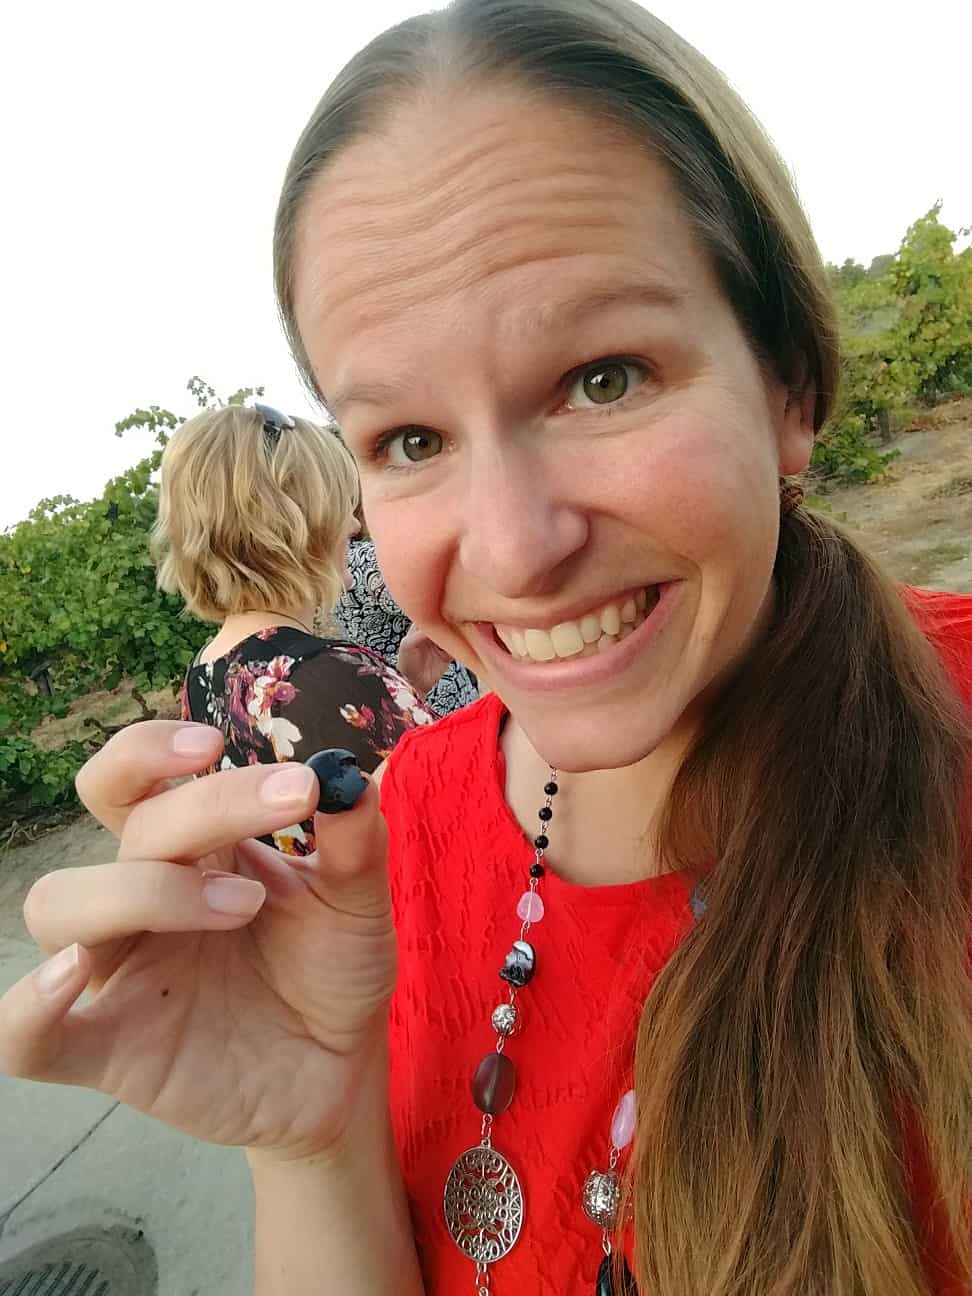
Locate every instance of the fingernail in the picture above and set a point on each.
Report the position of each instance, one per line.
(342, 783)
(57, 971)
(229, 894)
(194, 740)
(288, 783)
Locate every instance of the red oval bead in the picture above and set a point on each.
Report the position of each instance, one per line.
(494, 1084)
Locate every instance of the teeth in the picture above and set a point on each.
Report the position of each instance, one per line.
(567, 639)
(539, 645)
(590, 628)
(593, 633)
(506, 638)
(610, 619)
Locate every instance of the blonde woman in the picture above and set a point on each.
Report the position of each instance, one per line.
(255, 512)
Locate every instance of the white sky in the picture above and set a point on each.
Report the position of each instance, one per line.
(143, 146)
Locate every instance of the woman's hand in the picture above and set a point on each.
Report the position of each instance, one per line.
(236, 994)
(421, 661)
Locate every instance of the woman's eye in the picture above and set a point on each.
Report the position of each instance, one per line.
(603, 383)
(412, 446)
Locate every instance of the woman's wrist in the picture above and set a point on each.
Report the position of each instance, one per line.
(339, 1209)
(338, 1169)
(346, 1217)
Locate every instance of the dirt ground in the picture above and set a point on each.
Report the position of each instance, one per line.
(78, 843)
(106, 708)
(918, 521)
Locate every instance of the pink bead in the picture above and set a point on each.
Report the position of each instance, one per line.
(623, 1122)
(530, 908)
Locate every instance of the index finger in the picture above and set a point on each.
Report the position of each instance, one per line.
(139, 761)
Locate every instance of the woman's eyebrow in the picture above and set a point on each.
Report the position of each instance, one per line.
(374, 392)
(565, 313)
(625, 293)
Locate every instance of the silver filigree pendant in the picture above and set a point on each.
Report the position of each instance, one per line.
(483, 1205)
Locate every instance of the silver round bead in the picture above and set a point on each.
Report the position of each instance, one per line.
(602, 1196)
(504, 1019)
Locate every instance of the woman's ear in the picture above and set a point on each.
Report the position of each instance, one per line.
(796, 431)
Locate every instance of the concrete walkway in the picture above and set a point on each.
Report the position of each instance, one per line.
(71, 1160)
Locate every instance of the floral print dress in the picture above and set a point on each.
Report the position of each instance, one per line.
(283, 695)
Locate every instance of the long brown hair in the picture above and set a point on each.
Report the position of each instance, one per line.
(817, 1022)
(818, 1019)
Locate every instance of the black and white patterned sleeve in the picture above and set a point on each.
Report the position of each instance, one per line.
(367, 613)
(457, 688)
(369, 616)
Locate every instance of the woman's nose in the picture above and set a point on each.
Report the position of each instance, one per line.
(516, 532)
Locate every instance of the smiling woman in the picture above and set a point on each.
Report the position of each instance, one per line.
(552, 411)
(682, 906)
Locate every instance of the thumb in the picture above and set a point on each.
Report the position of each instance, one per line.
(349, 870)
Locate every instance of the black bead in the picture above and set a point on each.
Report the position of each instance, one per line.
(550, 789)
(521, 963)
(341, 781)
(541, 842)
(545, 813)
(605, 1280)
(536, 870)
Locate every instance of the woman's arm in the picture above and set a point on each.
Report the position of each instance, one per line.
(282, 1046)
(322, 1215)
(338, 1222)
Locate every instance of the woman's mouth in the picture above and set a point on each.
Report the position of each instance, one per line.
(597, 631)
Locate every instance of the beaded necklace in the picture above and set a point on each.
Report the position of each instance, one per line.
(483, 1201)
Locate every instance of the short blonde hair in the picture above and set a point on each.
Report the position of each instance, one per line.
(248, 522)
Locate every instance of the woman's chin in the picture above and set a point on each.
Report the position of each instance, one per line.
(579, 743)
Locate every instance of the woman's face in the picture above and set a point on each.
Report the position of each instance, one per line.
(569, 454)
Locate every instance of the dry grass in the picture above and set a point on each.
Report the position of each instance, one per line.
(951, 489)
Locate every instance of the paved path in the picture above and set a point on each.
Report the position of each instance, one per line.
(70, 1159)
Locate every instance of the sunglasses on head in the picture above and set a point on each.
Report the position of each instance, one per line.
(273, 423)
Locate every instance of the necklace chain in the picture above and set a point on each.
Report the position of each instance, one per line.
(483, 1203)
(287, 616)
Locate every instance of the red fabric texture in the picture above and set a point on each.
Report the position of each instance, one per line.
(946, 620)
(459, 864)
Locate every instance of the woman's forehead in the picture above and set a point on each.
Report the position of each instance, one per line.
(507, 194)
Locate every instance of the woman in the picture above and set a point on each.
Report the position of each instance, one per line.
(255, 510)
(556, 288)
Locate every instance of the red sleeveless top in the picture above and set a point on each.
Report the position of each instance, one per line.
(459, 865)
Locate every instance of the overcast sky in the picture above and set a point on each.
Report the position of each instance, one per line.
(143, 148)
